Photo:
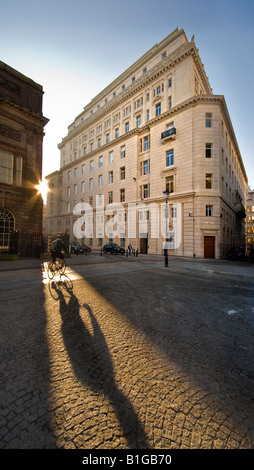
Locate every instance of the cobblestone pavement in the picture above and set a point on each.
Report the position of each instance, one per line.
(128, 354)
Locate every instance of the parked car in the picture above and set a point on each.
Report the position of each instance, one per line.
(236, 253)
(76, 248)
(113, 248)
(79, 248)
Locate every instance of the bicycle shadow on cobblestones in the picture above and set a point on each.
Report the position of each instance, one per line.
(92, 362)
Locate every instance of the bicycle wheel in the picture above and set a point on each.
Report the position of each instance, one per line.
(51, 269)
(63, 267)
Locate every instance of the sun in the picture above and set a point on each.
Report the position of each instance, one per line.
(42, 189)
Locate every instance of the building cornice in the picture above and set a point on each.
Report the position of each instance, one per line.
(184, 51)
(25, 111)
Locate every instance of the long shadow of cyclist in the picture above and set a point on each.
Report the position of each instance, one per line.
(92, 363)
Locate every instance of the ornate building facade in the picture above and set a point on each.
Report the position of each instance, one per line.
(156, 127)
(21, 136)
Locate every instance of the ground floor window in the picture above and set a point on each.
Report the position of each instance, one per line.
(7, 225)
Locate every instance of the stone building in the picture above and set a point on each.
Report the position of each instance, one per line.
(156, 127)
(250, 221)
(21, 136)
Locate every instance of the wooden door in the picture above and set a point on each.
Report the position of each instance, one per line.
(209, 247)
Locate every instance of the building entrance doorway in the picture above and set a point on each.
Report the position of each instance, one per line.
(144, 245)
(209, 247)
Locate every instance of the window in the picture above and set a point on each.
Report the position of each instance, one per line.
(82, 186)
(169, 102)
(122, 173)
(138, 120)
(100, 180)
(208, 150)
(145, 168)
(127, 127)
(123, 151)
(19, 167)
(91, 147)
(100, 161)
(144, 191)
(208, 120)
(110, 197)
(111, 156)
(209, 211)
(116, 132)
(122, 239)
(170, 183)
(158, 109)
(83, 169)
(91, 183)
(75, 173)
(144, 144)
(147, 115)
(138, 103)
(99, 142)
(7, 225)
(69, 175)
(75, 188)
(10, 168)
(111, 177)
(122, 195)
(174, 212)
(91, 165)
(170, 157)
(84, 152)
(68, 191)
(208, 181)
(169, 82)
(127, 110)
(68, 206)
(107, 138)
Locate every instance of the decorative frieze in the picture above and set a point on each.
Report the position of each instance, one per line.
(10, 133)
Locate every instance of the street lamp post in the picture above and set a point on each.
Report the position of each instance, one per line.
(166, 194)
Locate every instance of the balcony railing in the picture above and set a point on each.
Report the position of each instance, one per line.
(169, 134)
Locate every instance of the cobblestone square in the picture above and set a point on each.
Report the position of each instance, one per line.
(128, 354)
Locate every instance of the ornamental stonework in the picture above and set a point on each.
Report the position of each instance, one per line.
(9, 132)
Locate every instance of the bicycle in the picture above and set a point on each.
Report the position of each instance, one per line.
(56, 266)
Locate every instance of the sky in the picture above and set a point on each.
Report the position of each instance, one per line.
(74, 49)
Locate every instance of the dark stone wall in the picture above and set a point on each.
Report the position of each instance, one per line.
(21, 133)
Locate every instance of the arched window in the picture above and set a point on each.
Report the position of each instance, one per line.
(7, 225)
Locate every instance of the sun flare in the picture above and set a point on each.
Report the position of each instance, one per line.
(42, 189)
